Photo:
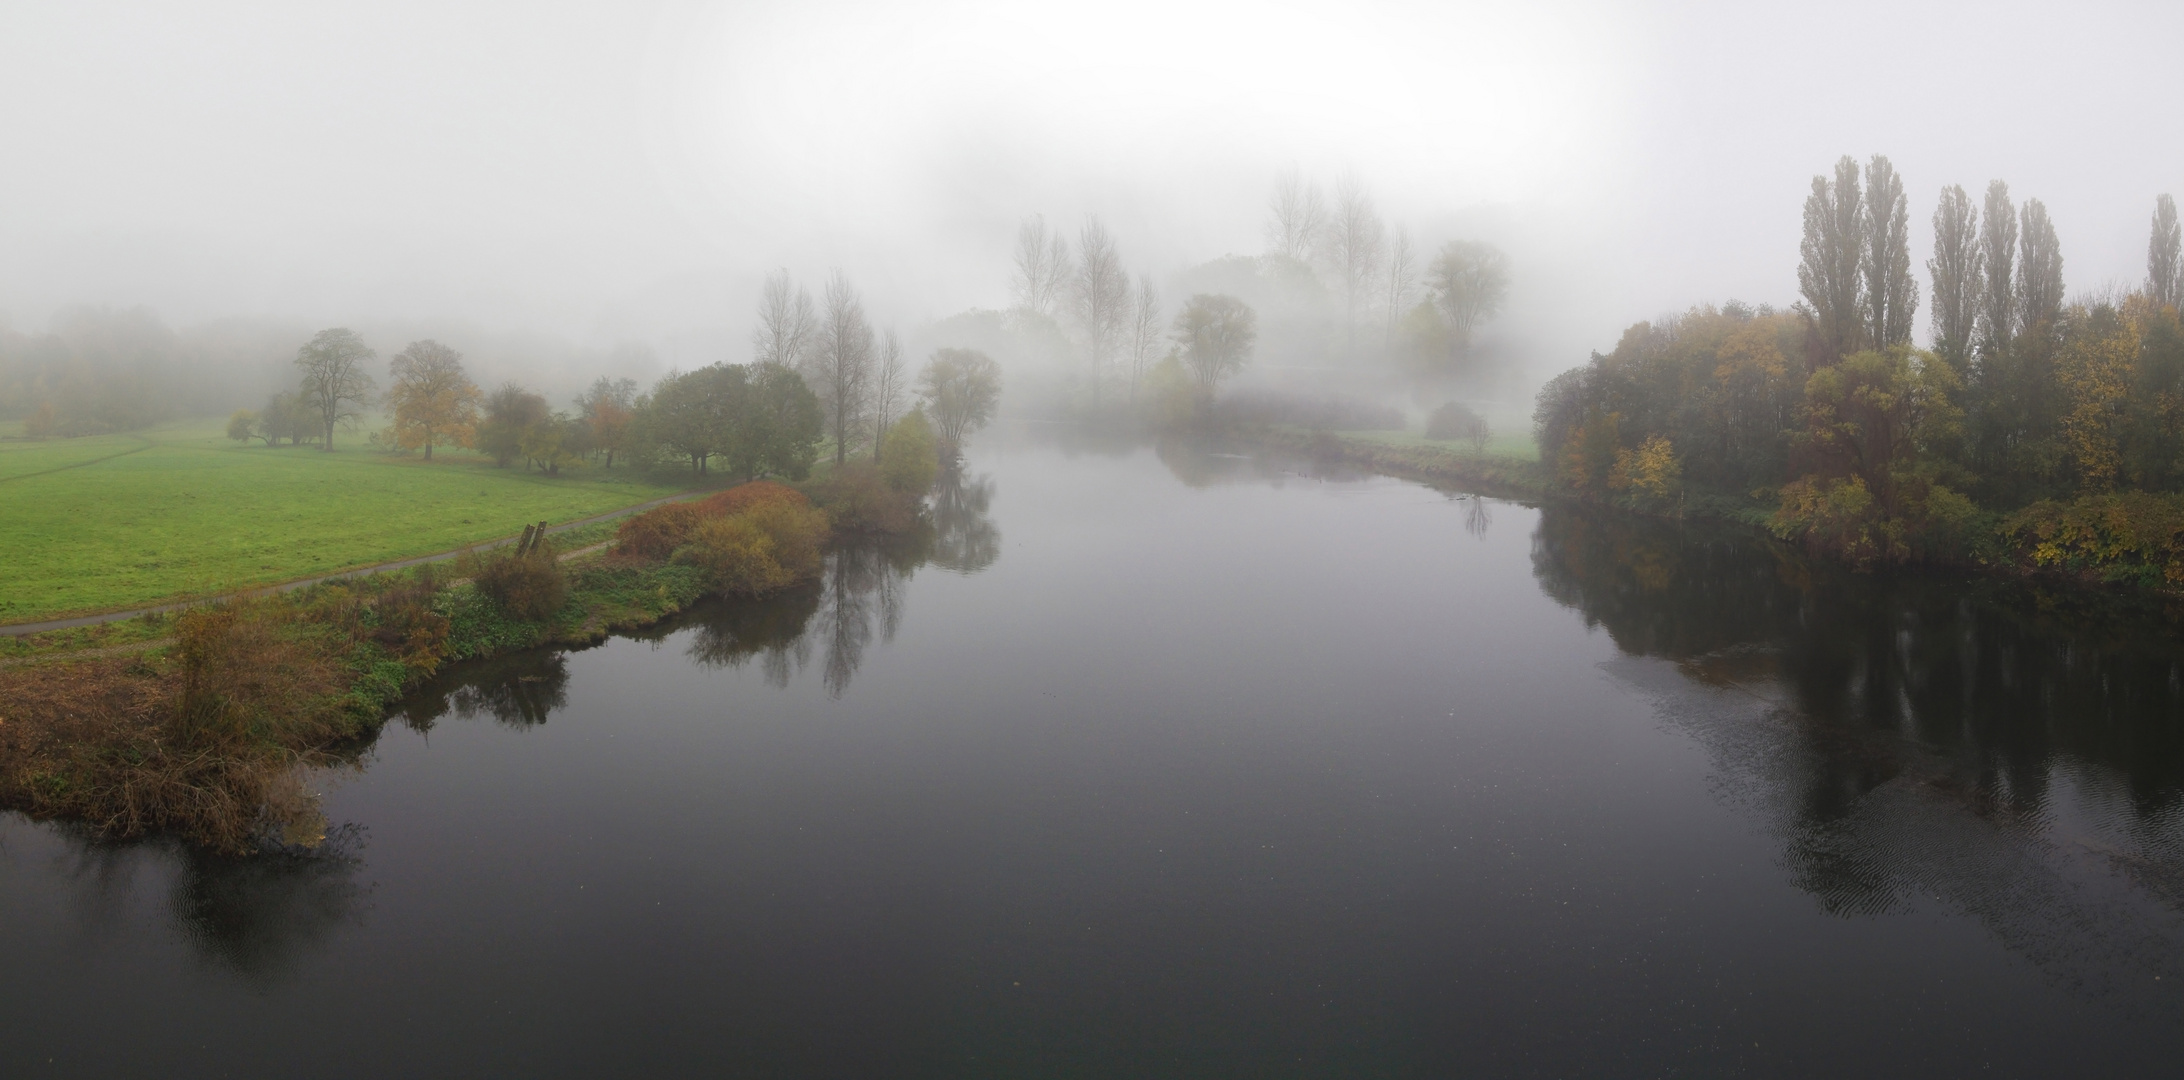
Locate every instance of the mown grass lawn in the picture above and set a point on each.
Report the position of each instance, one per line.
(120, 521)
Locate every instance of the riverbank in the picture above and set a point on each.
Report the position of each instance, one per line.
(198, 724)
(2130, 543)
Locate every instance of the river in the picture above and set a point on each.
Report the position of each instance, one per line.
(1167, 762)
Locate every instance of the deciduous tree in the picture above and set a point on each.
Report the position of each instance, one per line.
(1216, 333)
(2039, 269)
(1355, 238)
(335, 385)
(1040, 276)
(434, 401)
(1997, 263)
(1295, 217)
(1891, 296)
(1470, 282)
(1100, 298)
(961, 388)
(1956, 272)
(1829, 256)
(787, 323)
(2164, 261)
(840, 370)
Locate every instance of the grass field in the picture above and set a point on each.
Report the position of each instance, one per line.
(121, 521)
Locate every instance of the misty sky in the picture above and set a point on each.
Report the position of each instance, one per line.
(627, 171)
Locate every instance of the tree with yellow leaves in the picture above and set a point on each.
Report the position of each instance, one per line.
(434, 401)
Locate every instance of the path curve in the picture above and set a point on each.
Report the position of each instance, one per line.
(22, 629)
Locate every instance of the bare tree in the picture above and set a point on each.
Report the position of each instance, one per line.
(2164, 262)
(1402, 281)
(787, 324)
(1355, 237)
(890, 381)
(1470, 281)
(1041, 276)
(1295, 217)
(1101, 297)
(2039, 268)
(1827, 271)
(1956, 272)
(1997, 258)
(335, 385)
(1145, 330)
(840, 368)
(1891, 296)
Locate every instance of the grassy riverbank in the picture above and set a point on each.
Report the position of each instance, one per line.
(179, 511)
(198, 724)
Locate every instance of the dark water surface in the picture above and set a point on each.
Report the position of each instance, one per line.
(1182, 764)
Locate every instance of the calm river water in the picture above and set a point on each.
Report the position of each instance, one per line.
(1171, 763)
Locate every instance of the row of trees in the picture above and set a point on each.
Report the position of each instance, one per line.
(1863, 442)
(1089, 291)
(1430, 311)
(757, 419)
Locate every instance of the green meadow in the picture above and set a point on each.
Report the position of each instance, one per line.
(122, 521)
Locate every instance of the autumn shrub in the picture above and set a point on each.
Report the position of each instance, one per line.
(2133, 535)
(910, 455)
(656, 533)
(857, 499)
(529, 586)
(769, 546)
(746, 496)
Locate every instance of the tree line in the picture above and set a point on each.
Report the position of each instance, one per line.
(1829, 419)
(1428, 313)
(818, 374)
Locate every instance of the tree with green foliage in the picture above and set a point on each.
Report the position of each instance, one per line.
(2039, 293)
(1216, 333)
(1470, 283)
(1828, 273)
(2164, 259)
(510, 412)
(335, 385)
(1957, 281)
(1997, 264)
(1891, 296)
(961, 389)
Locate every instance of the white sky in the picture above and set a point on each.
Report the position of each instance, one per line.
(611, 171)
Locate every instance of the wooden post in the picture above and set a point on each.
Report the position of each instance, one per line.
(523, 546)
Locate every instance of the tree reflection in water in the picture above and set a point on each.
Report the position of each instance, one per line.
(519, 689)
(964, 538)
(1991, 744)
(257, 915)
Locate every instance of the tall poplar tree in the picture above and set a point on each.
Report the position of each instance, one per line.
(1891, 296)
(1827, 272)
(2164, 263)
(1956, 272)
(1997, 260)
(2039, 269)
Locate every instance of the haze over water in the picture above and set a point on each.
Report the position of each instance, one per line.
(1176, 762)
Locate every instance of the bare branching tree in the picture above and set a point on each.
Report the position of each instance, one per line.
(1146, 331)
(1956, 272)
(840, 368)
(1997, 261)
(2164, 261)
(787, 323)
(2039, 268)
(335, 385)
(1355, 237)
(1827, 271)
(890, 381)
(1402, 281)
(1041, 276)
(1891, 296)
(1101, 298)
(1295, 217)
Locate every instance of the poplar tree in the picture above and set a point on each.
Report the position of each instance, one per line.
(1997, 255)
(1891, 296)
(840, 368)
(1956, 272)
(2039, 269)
(2164, 274)
(1827, 272)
